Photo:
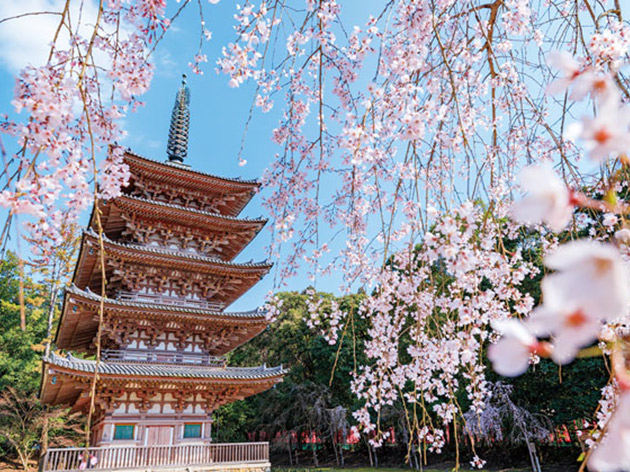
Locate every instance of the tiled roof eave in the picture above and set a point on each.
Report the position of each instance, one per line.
(252, 315)
(89, 234)
(165, 371)
(189, 172)
(163, 206)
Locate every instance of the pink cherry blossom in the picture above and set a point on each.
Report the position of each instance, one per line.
(613, 452)
(606, 134)
(510, 356)
(547, 199)
(598, 85)
(590, 276)
(567, 65)
(570, 327)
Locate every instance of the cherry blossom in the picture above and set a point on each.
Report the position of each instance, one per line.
(590, 276)
(613, 452)
(511, 354)
(623, 236)
(606, 134)
(567, 65)
(547, 200)
(570, 327)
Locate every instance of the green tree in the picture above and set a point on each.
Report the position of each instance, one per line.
(20, 351)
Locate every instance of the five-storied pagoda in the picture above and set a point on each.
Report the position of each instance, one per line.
(168, 247)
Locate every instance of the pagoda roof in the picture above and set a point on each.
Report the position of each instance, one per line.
(178, 171)
(233, 278)
(243, 230)
(168, 371)
(78, 328)
(182, 177)
(176, 213)
(67, 380)
(176, 310)
(173, 257)
(158, 257)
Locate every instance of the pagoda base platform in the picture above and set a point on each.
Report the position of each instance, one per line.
(214, 457)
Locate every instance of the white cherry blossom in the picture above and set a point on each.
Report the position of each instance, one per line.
(565, 63)
(606, 134)
(610, 219)
(510, 355)
(589, 275)
(598, 86)
(613, 453)
(570, 327)
(623, 236)
(547, 198)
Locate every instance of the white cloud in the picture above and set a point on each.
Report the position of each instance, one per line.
(27, 40)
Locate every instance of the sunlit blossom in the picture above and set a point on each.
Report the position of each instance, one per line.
(589, 275)
(547, 198)
(605, 135)
(612, 454)
(570, 327)
(510, 355)
(567, 65)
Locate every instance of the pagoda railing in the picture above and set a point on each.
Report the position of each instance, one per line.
(156, 356)
(144, 457)
(161, 299)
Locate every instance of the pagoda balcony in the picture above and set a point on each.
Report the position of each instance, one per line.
(252, 456)
(156, 356)
(161, 299)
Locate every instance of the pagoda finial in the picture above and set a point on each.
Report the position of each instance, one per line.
(177, 147)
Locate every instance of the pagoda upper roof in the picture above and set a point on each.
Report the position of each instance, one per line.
(183, 172)
(78, 326)
(243, 230)
(182, 177)
(159, 256)
(177, 213)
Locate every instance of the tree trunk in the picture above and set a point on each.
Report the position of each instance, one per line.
(334, 445)
(51, 316)
(24, 457)
(315, 461)
(369, 449)
(375, 456)
(290, 451)
(44, 441)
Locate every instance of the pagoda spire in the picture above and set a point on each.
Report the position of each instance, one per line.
(177, 147)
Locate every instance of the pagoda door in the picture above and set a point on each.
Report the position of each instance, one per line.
(161, 438)
(159, 435)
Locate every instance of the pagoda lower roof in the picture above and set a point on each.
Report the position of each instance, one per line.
(88, 260)
(175, 311)
(78, 325)
(68, 380)
(139, 371)
(181, 176)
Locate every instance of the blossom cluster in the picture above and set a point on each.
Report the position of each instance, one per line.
(588, 293)
(392, 132)
(68, 114)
